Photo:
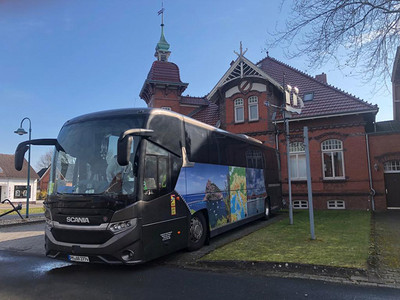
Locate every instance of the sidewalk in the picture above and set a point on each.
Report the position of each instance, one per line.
(385, 259)
(7, 206)
(15, 219)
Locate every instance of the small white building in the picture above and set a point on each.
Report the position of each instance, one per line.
(13, 183)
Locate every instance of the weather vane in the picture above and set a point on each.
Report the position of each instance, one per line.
(161, 12)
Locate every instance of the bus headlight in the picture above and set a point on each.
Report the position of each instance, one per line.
(122, 226)
(49, 218)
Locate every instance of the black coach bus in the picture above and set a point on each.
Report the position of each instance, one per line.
(131, 185)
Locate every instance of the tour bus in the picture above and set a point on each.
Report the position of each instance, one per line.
(131, 185)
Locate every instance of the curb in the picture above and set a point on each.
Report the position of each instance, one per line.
(292, 270)
(17, 222)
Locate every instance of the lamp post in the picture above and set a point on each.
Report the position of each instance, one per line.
(287, 109)
(21, 131)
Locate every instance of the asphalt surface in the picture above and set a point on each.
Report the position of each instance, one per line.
(27, 276)
(27, 238)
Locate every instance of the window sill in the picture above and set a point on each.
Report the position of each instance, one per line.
(239, 122)
(300, 181)
(333, 180)
(253, 121)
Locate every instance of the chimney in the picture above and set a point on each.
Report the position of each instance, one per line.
(322, 78)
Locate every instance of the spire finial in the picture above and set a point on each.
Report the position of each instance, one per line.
(161, 12)
(162, 47)
(242, 53)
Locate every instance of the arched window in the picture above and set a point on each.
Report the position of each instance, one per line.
(298, 169)
(332, 159)
(253, 108)
(239, 111)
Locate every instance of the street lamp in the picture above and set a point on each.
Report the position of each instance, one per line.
(21, 131)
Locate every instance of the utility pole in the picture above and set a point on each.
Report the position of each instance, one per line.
(309, 187)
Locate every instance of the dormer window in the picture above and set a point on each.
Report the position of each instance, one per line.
(308, 96)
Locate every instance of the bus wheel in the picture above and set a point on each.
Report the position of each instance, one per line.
(267, 209)
(197, 232)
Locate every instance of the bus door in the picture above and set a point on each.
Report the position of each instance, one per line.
(164, 213)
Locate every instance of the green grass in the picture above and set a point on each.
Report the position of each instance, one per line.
(342, 240)
(34, 210)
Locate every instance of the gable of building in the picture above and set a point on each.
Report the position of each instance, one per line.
(8, 171)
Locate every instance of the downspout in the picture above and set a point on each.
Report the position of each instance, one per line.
(372, 191)
(276, 137)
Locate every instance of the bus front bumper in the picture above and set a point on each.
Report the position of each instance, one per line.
(122, 248)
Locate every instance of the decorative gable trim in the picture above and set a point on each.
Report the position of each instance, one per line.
(242, 68)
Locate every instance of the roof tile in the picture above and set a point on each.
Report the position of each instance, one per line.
(327, 98)
(189, 100)
(164, 71)
(208, 115)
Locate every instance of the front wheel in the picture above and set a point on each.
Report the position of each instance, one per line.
(267, 209)
(197, 231)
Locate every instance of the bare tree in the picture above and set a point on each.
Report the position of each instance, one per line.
(45, 160)
(362, 34)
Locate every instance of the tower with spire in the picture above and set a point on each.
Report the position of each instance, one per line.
(163, 87)
(162, 48)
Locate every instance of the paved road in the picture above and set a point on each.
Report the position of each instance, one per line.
(24, 276)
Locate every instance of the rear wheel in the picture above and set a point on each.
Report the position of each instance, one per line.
(197, 231)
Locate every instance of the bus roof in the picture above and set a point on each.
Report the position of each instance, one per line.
(156, 111)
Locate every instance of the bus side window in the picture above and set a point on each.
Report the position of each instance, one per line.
(162, 172)
(150, 174)
(157, 177)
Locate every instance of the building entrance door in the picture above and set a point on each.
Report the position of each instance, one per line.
(392, 184)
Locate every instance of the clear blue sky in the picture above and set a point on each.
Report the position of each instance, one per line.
(60, 59)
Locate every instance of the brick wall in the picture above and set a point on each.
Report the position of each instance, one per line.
(383, 147)
(354, 188)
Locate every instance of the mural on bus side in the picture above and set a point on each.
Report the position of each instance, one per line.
(228, 193)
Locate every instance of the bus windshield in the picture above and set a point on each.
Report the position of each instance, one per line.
(86, 161)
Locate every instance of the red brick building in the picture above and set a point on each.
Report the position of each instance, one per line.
(351, 155)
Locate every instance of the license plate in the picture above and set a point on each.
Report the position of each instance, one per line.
(78, 258)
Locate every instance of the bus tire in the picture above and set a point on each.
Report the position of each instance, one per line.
(197, 231)
(267, 209)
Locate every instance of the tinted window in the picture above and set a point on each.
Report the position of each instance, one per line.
(161, 171)
(197, 146)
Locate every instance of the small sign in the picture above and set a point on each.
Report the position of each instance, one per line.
(166, 236)
(173, 205)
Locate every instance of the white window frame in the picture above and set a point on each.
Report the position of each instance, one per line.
(392, 166)
(336, 204)
(239, 104)
(331, 147)
(296, 149)
(252, 101)
(300, 204)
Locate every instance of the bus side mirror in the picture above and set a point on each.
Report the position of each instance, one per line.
(19, 156)
(124, 150)
(23, 147)
(125, 143)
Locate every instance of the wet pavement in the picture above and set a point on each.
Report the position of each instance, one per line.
(28, 238)
(23, 276)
